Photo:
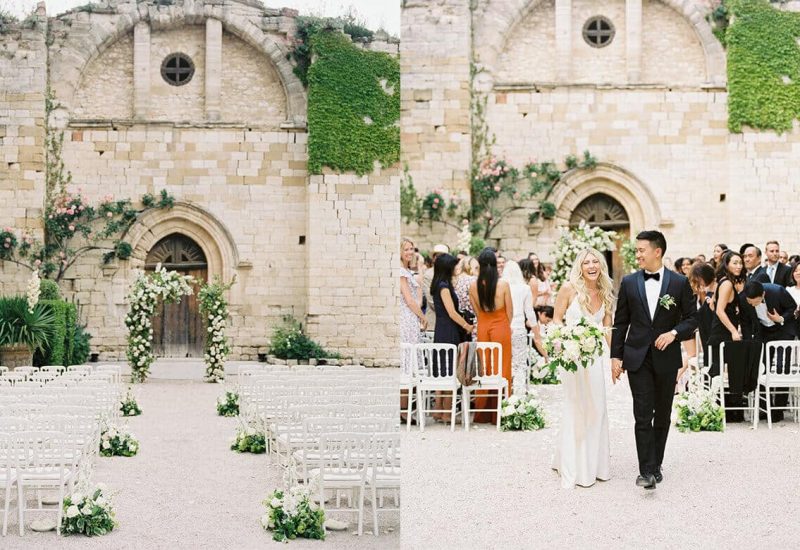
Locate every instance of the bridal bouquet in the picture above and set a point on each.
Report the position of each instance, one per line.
(522, 413)
(117, 441)
(291, 514)
(88, 514)
(698, 409)
(573, 346)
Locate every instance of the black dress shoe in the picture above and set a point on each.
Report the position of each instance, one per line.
(648, 481)
(658, 475)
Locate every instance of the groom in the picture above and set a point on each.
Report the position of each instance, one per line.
(656, 310)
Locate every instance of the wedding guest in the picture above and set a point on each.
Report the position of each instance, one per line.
(451, 327)
(461, 255)
(699, 258)
(491, 300)
(744, 247)
(752, 264)
(683, 266)
(794, 258)
(783, 257)
(546, 287)
(719, 250)
(411, 316)
(769, 316)
(531, 278)
(501, 263)
(725, 327)
(544, 316)
(466, 273)
(704, 284)
(522, 302)
(430, 312)
(777, 272)
(794, 286)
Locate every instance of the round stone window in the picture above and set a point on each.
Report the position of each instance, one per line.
(177, 69)
(598, 32)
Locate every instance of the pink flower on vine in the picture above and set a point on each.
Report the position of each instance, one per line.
(37, 263)
(109, 214)
(71, 212)
(435, 206)
(6, 245)
(72, 228)
(436, 200)
(496, 188)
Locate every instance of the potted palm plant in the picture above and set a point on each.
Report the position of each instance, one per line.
(23, 330)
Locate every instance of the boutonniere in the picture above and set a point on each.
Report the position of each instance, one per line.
(666, 301)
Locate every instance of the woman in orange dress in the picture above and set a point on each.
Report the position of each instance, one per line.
(491, 301)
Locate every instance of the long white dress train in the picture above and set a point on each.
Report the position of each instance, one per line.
(582, 453)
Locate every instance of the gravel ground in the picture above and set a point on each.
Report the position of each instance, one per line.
(186, 488)
(485, 489)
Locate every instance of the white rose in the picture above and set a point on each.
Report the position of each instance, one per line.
(73, 511)
(106, 445)
(275, 503)
(86, 510)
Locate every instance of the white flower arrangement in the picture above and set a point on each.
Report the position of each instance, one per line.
(214, 310)
(697, 407)
(128, 406)
(292, 514)
(248, 440)
(88, 512)
(571, 346)
(170, 286)
(228, 404)
(117, 441)
(522, 413)
(464, 237)
(571, 242)
(33, 290)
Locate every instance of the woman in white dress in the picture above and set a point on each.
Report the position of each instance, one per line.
(522, 299)
(582, 447)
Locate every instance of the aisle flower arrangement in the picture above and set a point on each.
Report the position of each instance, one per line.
(697, 407)
(228, 404)
(292, 514)
(89, 514)
(248, 440)
(571, 242)
(522, 413)
(146, 291)
(214, 309)
(117, 441)
(129, 406)
(571, 346)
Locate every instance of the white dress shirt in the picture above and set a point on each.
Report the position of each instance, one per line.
(761, 311)
(652, 289)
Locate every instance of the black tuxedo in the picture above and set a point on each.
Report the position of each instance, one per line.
(652, 372)
(759, 274)
(777, 299)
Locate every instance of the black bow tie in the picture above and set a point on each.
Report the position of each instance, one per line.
(656, 276)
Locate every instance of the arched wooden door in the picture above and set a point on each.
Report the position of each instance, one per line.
(607, 213)
(178, 328)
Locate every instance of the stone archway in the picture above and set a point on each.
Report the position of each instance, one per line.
(178, 327)
(601, 210)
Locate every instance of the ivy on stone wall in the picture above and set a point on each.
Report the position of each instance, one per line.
(353, 106)
(763, 66)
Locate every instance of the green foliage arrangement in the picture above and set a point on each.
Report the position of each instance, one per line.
(290, 342)
(214, 309)
(20, 325)
(79, 351)
(249, 440)
(627, 249)
(129, 405)
(763, 66)
(228, 404)
(89, 514)
(353, 105)
(118, 441)
(292, 514)
(522, 413)
(697, 407)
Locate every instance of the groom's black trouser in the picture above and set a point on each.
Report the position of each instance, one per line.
(652, 404)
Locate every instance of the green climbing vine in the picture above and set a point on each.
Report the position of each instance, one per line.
(353, 100)
(763, 66)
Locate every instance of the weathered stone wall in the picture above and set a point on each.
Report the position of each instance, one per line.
(659, 129)
(177, 103)
(106, 88)
(23, 73)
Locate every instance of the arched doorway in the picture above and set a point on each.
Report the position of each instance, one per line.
(178, 328)
(601, 210)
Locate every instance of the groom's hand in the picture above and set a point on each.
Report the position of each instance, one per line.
(664, 340)
(616, 370)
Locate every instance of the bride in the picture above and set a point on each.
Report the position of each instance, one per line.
(582, 447)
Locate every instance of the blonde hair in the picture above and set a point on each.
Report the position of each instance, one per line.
(466, 266)
(403, 241)
(604, 283)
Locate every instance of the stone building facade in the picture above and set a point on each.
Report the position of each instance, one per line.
(230, 144)
(650, 104)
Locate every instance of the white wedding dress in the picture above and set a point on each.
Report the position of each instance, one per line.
(582, 453)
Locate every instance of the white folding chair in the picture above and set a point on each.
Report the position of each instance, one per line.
(384, 473)
(724, 384)
(408, 378)
(780, 374)
(436, 372)
(26, 370)
(490, 368)
(8, 473)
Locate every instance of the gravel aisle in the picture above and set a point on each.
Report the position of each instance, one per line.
(186, 488)
(485, 489)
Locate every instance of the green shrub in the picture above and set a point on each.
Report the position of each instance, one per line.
(19, 325)
(290, 342)
(70, 343)
(80, 346)
(49, 290)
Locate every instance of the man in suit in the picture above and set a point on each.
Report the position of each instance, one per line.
(768, 316)
(656, 310)
(778, 273)
(752, 264)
